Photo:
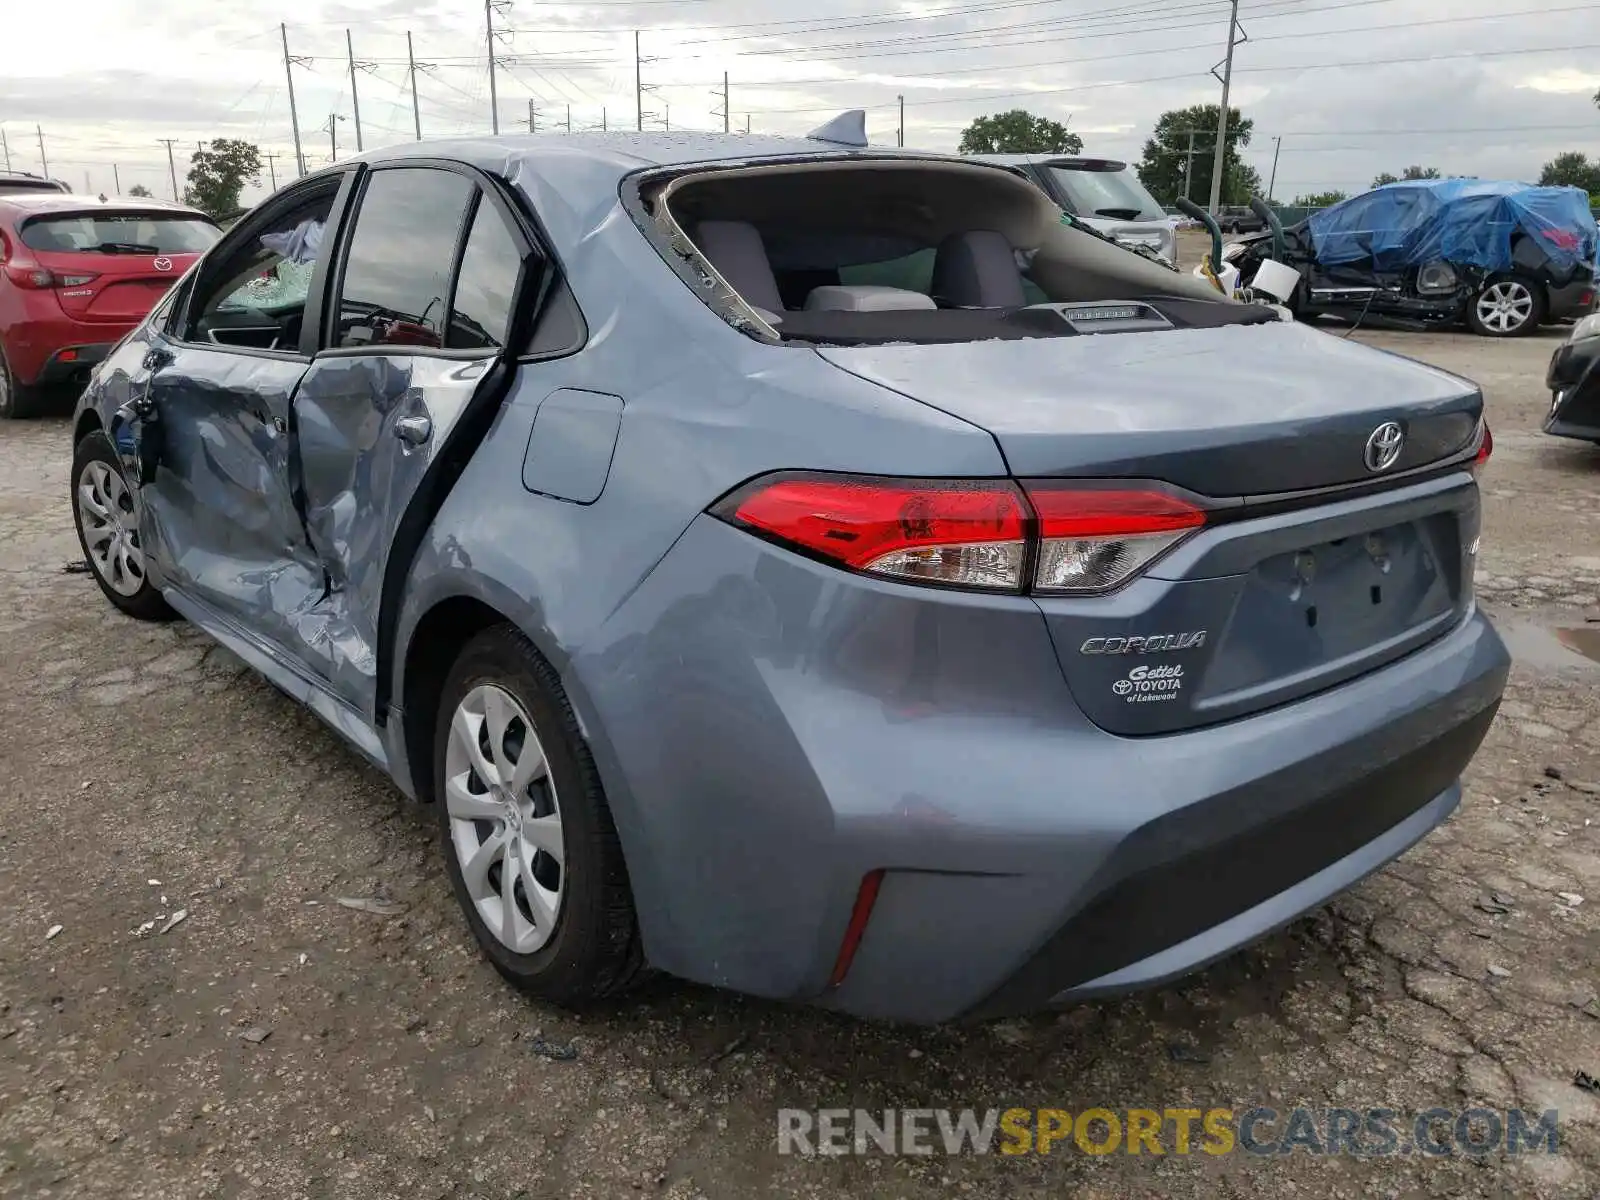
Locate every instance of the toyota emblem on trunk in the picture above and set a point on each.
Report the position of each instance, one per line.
(162, 264)
(1383, 446)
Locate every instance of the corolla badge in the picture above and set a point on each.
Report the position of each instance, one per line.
(1383, 446)
(162, 264)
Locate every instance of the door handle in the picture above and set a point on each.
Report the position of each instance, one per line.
(413, 430)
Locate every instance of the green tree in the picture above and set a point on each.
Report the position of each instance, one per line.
(1019, 132)
(1166, 157)
(139, 189)
(1321, 199)
(1408, 174)
(218, 175)
(1572, 169)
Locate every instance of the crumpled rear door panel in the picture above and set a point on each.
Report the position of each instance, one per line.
(371, 429)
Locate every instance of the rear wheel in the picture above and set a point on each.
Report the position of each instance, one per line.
(1506, 306)
(16, 401)
(532, 853)
(108, 530)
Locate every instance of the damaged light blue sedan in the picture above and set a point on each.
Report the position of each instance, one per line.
(819, 571)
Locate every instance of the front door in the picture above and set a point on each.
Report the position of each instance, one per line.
(220, 511)
(413, 338)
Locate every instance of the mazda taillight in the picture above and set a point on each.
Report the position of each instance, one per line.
(1093, 539)
(988, 534)
(29, 275)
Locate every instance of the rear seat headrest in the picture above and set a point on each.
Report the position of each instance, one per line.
(735, 249)
(977, 269)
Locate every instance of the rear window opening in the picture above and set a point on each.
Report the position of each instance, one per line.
(865, 251)
(103, 232)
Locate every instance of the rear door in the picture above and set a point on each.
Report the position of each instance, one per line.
(115, 264)
(412, 363)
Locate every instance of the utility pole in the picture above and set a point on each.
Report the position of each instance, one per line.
(43, 161)
(1277, 147)
(333, 137)
(272, 168)
(172, 168)
(6, 143)
(638, 85)
(1219, 161)
(116, 179)
(569, 118)
(88, 185)
(416, 112)
(533, 119)
(901, 137)
(355, 100)
(1188, 167)
(602, 118)
(294, 117)
(727, 105)
(747, 122)
(494, 100)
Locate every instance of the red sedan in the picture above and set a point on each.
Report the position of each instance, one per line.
(76, 274)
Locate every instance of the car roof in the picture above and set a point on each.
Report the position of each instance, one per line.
(33, 204)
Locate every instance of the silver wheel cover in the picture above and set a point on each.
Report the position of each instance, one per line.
(505, 819)
(110, 528)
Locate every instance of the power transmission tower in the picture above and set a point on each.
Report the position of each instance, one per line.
(412, 67)
(1235, 37)
(172, 169)
(289, 63)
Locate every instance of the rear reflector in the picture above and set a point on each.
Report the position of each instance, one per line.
(1094, 539)
(965, 534)
(866, 897)
(1081, 537)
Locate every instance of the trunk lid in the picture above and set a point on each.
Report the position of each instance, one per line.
(124, 288)
(1237, 411)
(1269, 602)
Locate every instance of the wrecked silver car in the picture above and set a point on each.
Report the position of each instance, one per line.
(806, 569)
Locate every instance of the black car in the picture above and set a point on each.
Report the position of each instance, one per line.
(1574, 382)
(1239, 220)
(1501, 257)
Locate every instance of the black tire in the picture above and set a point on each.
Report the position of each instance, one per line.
(146, 603)
(594, 951)
(1538, 307)
(17, 402)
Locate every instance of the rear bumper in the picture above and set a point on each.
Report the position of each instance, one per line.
(771, 730)
(73, 362)
(1573, 300)
(1574, 382)
(34, 344)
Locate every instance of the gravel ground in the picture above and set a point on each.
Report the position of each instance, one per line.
(276, 1044)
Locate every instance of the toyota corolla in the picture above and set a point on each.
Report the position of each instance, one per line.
(818, 571)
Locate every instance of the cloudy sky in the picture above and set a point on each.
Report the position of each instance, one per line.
(1482, 87)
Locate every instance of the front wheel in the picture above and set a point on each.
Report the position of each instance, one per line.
(1506, 306)
(533, 856)
(108, 530)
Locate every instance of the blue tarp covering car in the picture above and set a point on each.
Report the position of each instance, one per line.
(1501, 257)
(1462, 221)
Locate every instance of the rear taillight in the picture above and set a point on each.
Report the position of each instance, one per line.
(968, 534)
(1485, 446)
(975, 534)
(1093, 539)
(28, 275)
